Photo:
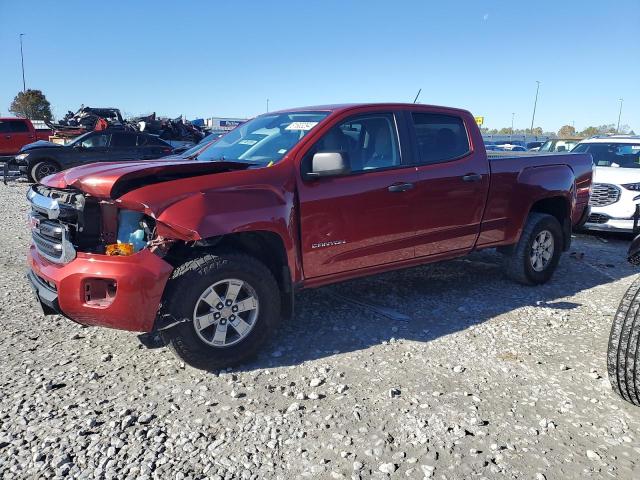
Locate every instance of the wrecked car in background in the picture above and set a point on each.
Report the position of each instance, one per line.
(205, 256)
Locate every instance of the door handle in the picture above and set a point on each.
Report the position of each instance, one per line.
(472, 177)
(7, 136)
(400, 187)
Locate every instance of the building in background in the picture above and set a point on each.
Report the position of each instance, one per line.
(220, 124)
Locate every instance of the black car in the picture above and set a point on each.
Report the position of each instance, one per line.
(39, 159)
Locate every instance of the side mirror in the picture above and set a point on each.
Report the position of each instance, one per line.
(329, 164)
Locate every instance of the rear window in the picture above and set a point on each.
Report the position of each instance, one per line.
(440, 137)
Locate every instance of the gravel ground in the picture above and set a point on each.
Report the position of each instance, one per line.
(487, 379)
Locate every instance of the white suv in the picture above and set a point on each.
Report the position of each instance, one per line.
(616, 181)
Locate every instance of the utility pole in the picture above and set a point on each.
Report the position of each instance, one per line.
(267, 105)
(512, 117)
(535, 103)
(24, 85)
(619, 114)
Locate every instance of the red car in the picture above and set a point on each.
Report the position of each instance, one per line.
(207, 254)
(17, 132)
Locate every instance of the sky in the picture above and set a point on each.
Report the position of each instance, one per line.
(225, 59)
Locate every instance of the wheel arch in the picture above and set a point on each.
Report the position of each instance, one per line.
(265, 246)
(559, 207)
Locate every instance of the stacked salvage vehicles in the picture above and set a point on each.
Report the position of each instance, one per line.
(100, 134)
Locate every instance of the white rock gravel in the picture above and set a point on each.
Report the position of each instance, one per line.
(488, 380)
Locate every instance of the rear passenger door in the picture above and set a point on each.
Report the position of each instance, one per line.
(359, 220)
(452, 184)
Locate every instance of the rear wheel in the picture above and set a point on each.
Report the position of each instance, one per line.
(43, 169)
(535, 257)
(623, 354)
(230, 304)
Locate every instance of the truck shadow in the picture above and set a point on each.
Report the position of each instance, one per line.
(440, 299)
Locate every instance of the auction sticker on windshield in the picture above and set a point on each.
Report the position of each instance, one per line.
(301, 126)
(247, 142)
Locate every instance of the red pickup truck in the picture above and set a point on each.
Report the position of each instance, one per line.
(17, 132)
(206, 255)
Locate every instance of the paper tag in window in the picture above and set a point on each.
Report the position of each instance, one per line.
(248, 142)
(635, 147)
(282, 151)
(301, 126)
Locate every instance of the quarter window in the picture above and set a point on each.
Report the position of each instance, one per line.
(370, 142)
(440, 137)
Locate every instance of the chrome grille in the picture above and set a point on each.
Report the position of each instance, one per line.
(50, 236)
(604, 194)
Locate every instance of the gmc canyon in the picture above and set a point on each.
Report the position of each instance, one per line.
(205, 255)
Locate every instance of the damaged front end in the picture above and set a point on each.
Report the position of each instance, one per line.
(94, 262)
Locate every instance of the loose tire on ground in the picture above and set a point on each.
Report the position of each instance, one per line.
(204, 278)
(518, 263)
(623, 354)
(43, 169)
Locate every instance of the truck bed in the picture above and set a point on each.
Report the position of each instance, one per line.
(517, 178)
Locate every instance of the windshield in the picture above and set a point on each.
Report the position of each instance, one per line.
(265, 139)
(195, 149)
(621, 155)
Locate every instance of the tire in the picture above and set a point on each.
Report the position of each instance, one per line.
(623, 353)
(192, 281)
(43, 169)
(518, 263)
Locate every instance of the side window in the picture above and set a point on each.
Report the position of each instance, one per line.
(370, 141)
(123, 140)
(96, 141)
(141, 140)
(5, 127)
(18, 127)
(440, 137)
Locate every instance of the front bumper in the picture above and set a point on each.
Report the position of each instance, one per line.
(131, 303)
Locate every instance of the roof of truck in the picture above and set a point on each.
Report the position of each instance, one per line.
(348, 106)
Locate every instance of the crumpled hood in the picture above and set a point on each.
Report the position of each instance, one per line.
(39, 144)
(114, 179)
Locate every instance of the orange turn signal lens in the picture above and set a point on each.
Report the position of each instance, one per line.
(121, 249)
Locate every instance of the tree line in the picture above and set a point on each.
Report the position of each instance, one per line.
(33, 104)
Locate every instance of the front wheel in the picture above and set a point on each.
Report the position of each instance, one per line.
(535, 257)
(623, 354)
(43, 169)
(228, 305)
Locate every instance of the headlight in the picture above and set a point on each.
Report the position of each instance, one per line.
(20, 157)
(135, 230)
(632, 186)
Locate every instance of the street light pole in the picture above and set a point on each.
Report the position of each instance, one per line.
(535, 103)
(512, 116)
(619, 114)
(267, 105)
(24, 87)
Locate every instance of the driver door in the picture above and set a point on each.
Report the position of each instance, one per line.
(93, 148)
(362, 219)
